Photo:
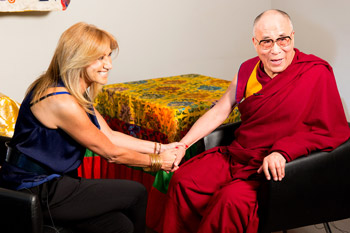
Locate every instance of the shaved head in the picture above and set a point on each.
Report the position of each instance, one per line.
(271, 13)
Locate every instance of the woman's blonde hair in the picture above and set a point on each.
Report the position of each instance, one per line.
(78, 47)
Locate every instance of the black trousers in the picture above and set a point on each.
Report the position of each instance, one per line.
(93, 205)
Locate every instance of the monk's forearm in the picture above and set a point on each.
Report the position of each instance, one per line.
(203, 126)
(214, 117)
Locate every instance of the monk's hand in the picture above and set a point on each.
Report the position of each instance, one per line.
(181, 151)
(173, 145)
(273, 165)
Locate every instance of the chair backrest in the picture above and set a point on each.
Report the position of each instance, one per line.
(222, 136)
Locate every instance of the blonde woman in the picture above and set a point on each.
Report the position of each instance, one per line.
(57, 122)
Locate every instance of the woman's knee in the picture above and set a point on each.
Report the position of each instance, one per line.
(112, 222)
(142, 194)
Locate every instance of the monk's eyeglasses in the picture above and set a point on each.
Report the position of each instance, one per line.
(282, 42)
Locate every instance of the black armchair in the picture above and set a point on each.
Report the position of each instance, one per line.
(21, 212)
(316, 188)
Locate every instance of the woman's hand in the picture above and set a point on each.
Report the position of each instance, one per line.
(168, 158)
(181, 151)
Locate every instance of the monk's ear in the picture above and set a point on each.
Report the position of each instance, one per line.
(255, 42)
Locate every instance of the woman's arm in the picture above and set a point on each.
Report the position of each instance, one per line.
(62, 111)
(129, 142)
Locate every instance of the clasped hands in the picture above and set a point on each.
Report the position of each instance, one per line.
(171, 155)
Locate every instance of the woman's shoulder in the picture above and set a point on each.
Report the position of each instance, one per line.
(58, 104)
(59, 99)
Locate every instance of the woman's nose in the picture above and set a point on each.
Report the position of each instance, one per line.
(107, 63)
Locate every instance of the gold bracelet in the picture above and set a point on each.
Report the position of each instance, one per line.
(156, 163)
(148, 168)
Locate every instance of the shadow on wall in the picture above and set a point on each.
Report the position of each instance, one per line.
(25, 13)
(311, 37)
(347, 114)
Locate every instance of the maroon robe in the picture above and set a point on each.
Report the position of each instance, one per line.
(295, 113)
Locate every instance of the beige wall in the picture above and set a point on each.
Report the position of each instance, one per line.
(322, 27)
(161, 38)
(164, 37)
(157, 38)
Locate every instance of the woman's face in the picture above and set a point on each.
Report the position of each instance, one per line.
(98, 70)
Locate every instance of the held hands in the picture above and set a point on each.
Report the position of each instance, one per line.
(164, 156)
(275, 164)
(180, 148)
(168, 158)
(179, 155)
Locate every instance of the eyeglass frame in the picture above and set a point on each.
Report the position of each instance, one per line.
(274, 41)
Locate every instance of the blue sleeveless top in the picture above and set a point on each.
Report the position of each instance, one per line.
(52, 148)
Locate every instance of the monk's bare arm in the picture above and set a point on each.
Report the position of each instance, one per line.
(211, 119)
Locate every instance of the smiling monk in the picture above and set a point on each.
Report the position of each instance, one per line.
(289, 105)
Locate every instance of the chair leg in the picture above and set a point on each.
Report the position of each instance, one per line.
(327, 228)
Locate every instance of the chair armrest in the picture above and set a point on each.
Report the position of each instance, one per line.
(20, 212)
(315, 189)
(222, 136)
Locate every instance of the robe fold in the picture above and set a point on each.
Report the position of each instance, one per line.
(295, 113)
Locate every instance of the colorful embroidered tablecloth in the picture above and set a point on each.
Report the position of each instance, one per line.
(166, 107)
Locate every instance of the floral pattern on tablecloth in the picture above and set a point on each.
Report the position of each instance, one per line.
(166, 107)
